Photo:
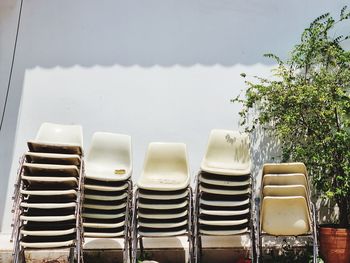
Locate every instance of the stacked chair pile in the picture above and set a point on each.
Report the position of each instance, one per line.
(286, 208)
(47, 199)
(108, 188)
(163, 199)
(223, 190)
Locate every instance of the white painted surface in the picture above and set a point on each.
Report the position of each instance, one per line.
(160, 70)
(8, 22)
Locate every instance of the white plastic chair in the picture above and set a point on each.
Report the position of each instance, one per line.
(227, 153)
(223, 188)
(109, 157)
(285, 216)
(165, 168)
(47, 200)
(58, 138)
(108, 188)
(285, 207)
(163, 186)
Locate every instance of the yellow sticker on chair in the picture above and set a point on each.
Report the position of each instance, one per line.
(119, 171)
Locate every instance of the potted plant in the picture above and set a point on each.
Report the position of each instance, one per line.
(306, 105)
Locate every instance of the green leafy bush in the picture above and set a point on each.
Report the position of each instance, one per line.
(306, 105)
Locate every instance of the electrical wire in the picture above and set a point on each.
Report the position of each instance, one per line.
(12, 63)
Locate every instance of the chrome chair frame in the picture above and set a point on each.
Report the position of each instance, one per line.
(198, 236)
(312, 234)
(75, 251)
(136, 238)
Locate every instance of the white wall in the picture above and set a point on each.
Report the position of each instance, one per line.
(9, 10)
(160, 70)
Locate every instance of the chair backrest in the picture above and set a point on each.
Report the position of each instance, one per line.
(285, 216)
(285, 190)
(165, 164)
(227, 152)
(110, 150)
(60, 133)
(284, 179)
(166, 158)
(284, 168)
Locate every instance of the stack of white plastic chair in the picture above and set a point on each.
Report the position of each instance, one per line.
(47, 196)
(286, 208)
(108, 188)
(223, 190)
(163, 199)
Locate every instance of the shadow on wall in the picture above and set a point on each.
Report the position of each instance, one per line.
(164, 33)
(265, 149)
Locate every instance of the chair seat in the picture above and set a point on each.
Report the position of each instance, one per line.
(48, 205)
(105, 173)
(223, 191)
(103, 216)
(163, 206)
(170, 181)
(47, 218)
(209, 181)
(284, 190)
(284, 179)
(48, 232)
(105, 188)
(163, 195)
(55, 170)
(221, 203)
(284, 168)
(158, 215)
(224, 212)
(49, 147)
(285, 216)
(42, 180)
(223, 232)
(156, 233)
(105, 197)
(223, 222)
(104, 225)
(217, 168)
(163, 225)
(47, 241)
(47, 244)
(53, 158)
(104, 207)
(49, 192)
(87, 233)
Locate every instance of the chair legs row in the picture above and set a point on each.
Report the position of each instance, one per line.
(47, 206)
(137, 237)
(133, 240)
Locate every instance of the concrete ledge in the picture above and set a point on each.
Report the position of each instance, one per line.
(169, 250)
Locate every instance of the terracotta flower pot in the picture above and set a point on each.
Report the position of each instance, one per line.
(335, 244)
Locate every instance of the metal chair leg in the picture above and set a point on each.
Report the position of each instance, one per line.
(190, 225)
(200, 248)
(314, 234)
(141, 248)
(134, 228)
(195, 220)
(126, 249)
